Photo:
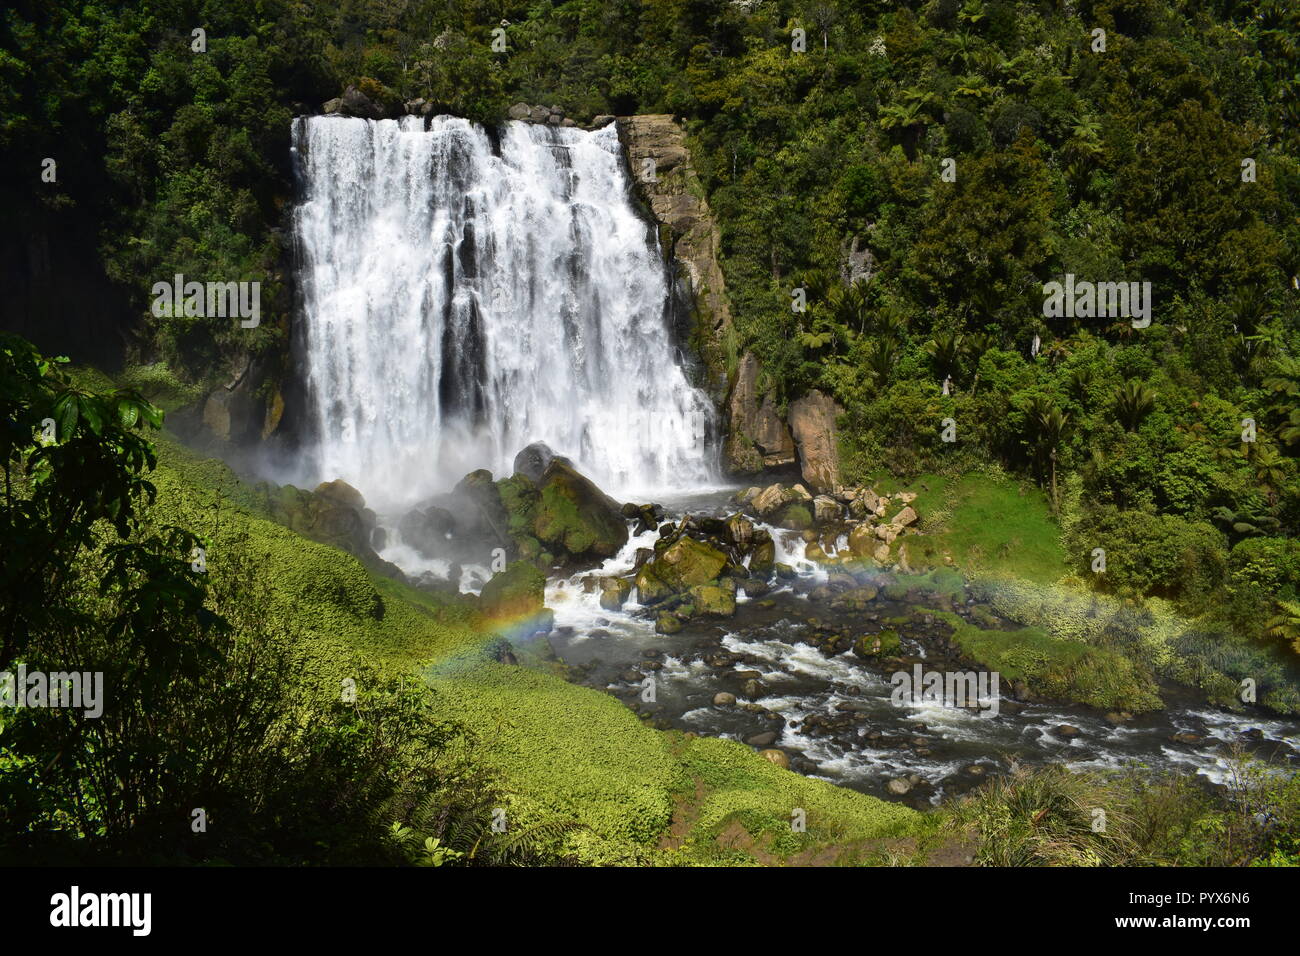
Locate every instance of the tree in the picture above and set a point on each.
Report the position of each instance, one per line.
(74, 460)
(1286, 624)
(1133, 402)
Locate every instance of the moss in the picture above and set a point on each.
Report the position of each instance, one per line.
(574, 515)
(518, 591)
(713, 601)
(739, 786)
(1062, 670)
(796, 516)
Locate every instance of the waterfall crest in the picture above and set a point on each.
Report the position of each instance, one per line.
(459, 302)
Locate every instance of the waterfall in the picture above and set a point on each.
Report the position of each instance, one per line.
(460, 301)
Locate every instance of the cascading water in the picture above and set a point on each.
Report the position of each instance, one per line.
(461, 302)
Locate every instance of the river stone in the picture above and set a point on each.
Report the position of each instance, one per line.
(520, 111)
(1067, 731)
(666, 623)
(898, 786)
(686, 563)
(740, 532)
(778, 757)
(796, 516)
(765, 739)
(723, 699)
(615, 594)
(762, 561)
(826, 509)
(713, 601)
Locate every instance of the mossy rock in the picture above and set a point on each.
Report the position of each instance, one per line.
(885, 644)
(667, 623)
(687, 563)
(796, 516)
(519, 497)
(763, 559)
(713, 601)
(576, 516)
(517, 592)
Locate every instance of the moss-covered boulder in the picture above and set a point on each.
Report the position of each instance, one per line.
(885, 644)
(796, 515)
(711, 600)
(679, 567)
(666, 623)
(517, 592)
(576, 518)
(481, 515)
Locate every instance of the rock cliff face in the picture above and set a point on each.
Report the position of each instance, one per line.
(812, 419)
(757, 439)
(666, 180)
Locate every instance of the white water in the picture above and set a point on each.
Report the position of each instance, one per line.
(458, 305)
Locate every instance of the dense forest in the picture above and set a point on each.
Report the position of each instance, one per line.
(916, 171)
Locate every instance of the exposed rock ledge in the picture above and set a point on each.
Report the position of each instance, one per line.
(670, 187)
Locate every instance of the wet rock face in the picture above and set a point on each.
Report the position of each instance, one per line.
(533, 461)
(666, 179)
(757, 438)
(812, 420)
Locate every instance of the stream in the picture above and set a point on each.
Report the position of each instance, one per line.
(834, 716)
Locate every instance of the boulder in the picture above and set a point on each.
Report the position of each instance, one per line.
(862, 540)
(778, 757)
(713, 601)
(341, 493)
(519, 111)
(614, 593)
(539, 114)
(905, 517)
(575, 516)
(768, 502)
(517, 592)
(666, 623)
(812, 420)
(763, 559)
(428, 530)
(796, 516)
(723, 699)
(740, 532)
(356, 103)
(480, 514)
(533, 461)
(687, 563)
(826, 510)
